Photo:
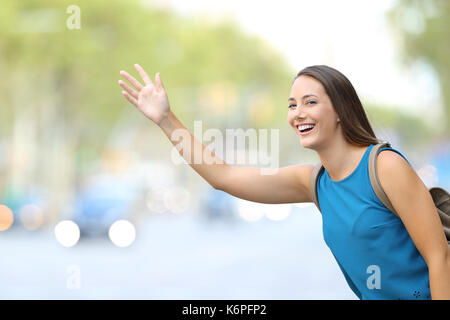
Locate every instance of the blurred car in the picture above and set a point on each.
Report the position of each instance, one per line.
(103, 200)
(220, 206)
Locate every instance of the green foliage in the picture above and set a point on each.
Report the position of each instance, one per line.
(43, 63)
(82, 66)
(412, 129)
(423, 32)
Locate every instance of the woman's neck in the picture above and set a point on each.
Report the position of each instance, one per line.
(341, 158)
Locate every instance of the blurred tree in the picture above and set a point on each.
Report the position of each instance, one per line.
(80, 67)
(59, 93)
(59, 87)
(423, 33)
(412, 130)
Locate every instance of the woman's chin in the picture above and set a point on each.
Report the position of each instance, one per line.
(306, 142)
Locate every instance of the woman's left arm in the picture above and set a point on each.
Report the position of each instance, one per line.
(412, 201)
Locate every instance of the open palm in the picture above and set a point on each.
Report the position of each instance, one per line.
(150, 99)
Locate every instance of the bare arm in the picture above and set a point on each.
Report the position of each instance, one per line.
(414, 205)
(188, 146)
(287, 185)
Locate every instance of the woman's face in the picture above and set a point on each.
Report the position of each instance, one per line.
(309, 104)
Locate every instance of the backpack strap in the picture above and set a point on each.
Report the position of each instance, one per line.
(373, 174)
(313, 181)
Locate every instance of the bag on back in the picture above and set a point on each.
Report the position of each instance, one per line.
(440, 196)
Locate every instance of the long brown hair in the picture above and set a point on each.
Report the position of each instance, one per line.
(355, 125)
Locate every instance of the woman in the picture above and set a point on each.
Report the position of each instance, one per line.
(380, 255)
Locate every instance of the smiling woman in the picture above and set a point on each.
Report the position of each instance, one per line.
(362, 233)
(334, 88)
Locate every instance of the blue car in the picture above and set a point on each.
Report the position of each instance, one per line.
(101, 202)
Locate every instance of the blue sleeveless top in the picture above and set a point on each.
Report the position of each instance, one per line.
(370, 243)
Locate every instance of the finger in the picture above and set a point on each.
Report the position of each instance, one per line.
(130, 98)
(131, 80)
(129, 90)
(158, 81)
(143, 74)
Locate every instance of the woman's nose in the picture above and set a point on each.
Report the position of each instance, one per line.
(299, 112)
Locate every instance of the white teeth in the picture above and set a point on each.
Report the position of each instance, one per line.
(303, 127)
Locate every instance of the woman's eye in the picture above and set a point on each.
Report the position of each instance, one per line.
(308, 102)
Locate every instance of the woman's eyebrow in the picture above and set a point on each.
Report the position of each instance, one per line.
(304, 97)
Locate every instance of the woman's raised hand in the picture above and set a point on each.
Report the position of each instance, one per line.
(151, 99)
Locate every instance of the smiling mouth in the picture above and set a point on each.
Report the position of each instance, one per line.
(304, 130)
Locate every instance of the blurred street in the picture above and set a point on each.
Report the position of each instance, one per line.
(178, 257)
(97, 203)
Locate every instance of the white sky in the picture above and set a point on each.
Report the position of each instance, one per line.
(350, 35)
